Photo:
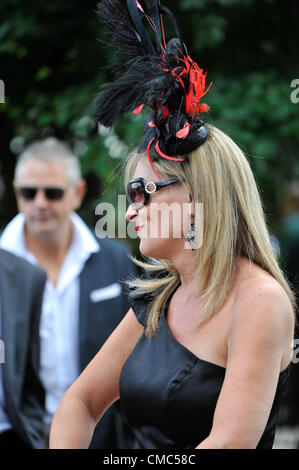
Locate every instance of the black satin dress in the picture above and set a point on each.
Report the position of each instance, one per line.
(168, 394)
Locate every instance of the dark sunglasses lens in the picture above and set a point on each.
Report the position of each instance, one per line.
(28, 193)
(136, 193)
(54, 194)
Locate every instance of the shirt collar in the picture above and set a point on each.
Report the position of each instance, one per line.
(83, 242)
(82, 237)
(82, 246)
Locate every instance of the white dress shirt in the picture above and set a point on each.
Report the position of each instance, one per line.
(59, 365)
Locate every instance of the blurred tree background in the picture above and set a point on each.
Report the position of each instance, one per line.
(52, 65)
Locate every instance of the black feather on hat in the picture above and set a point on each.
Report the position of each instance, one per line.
(160, 77)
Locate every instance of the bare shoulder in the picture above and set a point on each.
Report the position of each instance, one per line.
(262, 306)
(262, 288)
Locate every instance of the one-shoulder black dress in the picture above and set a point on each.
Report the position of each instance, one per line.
(168, 394)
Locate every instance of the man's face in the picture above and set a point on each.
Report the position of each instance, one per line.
(46, 217)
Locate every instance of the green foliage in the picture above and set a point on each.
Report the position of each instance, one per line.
(53, 66)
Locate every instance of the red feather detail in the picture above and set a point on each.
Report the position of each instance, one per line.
(203, 108)
(179, 78)
(197, 83)
(152, 25)
(182, 133)
(175, 75)
(138, 109)
(149, 157)
(166, 156)
(166, 113)
(139, 6)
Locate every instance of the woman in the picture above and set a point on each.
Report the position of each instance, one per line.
(201, 359)
(235, 359)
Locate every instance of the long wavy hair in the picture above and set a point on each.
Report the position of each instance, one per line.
(234, 224)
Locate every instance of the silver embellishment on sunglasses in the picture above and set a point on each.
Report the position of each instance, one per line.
(150, 185)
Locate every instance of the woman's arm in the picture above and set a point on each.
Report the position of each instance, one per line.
(95, 390)
(258, 348)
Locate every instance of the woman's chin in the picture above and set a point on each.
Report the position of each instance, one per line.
(153, 248)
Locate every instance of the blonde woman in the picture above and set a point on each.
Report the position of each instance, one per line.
(201, 359)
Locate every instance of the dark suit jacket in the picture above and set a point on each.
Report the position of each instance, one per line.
(103, 304)
(21, 293)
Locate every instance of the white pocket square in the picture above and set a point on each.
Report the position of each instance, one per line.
(105, 293)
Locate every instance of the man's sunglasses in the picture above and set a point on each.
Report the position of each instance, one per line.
(52, 193)
(139, 191)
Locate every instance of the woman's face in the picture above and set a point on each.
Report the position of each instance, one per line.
(164, 221)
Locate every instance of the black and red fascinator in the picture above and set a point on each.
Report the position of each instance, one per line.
(156, 75)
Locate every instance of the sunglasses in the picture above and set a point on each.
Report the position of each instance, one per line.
(52, 193)
(139, 191)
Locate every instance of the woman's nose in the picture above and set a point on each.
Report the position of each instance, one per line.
(131, 212)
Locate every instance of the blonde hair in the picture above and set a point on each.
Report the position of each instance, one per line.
(234, 225)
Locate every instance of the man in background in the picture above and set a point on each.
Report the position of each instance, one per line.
(84, 297)
(21, 392)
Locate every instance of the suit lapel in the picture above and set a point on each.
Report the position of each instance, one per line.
(83, 312)
(10, 310)
(89, 279)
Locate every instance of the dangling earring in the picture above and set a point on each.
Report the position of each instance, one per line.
(191, 233)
